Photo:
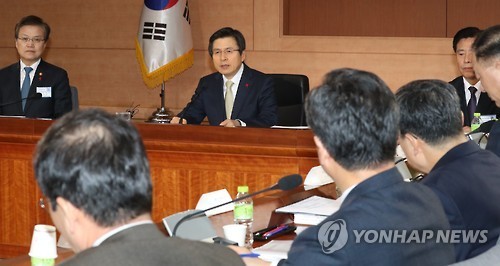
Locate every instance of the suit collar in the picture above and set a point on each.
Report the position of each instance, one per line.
(243, 91)
(459, 151)
(373, 184)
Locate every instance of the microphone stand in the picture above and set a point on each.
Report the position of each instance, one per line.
(161, 115)
(35, 96)
(195, 214)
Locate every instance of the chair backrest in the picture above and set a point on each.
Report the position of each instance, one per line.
(74, 98)
(291, 91)
(403, 168)
(479, 138)
(409, 175)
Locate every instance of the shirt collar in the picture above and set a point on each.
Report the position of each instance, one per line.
(117, 230)
(237, 77)
(33, 66)
(345, 193)
(467, 85)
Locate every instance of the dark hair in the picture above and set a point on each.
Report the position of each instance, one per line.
(429, 109)
(487, 44)
(227, 32)
(33, 21)
(468, 32)
(98, 163)
(355, 116)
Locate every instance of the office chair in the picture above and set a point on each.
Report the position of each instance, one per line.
(480, 138)
(291, 91)
(409, 175)
(74, 97)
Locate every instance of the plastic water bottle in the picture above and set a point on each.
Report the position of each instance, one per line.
(243, 214)
(475, 122)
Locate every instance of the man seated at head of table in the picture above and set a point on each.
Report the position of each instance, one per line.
(94, 174)
(236, 95)
(355, 118)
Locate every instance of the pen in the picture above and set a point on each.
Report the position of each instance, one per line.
(249, 255)
(276, 230)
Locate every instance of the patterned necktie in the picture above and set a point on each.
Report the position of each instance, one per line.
(25, 89)
(471, 107)
(229, 99)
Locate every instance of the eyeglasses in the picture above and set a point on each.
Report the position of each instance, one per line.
(36, 40)
(227, 51)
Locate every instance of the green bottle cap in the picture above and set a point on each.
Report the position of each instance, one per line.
(243, 189)
(477, 114)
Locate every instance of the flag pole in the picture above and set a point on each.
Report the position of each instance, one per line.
(161, 115)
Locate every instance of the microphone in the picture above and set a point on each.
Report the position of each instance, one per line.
(195, 97)
(285, 183)
(32, 97)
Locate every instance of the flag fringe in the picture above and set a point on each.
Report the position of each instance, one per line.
(166, 72)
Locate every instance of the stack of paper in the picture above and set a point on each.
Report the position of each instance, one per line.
(312, 210)
(275, 250)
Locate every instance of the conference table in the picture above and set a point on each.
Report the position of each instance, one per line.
(186, 161)
(264, 216)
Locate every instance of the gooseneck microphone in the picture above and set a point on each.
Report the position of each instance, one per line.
(285, 183)
(32, 97)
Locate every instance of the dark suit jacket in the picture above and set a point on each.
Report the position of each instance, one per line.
(382, 202)
(494, 139)
(255, 102)
(46, 75)
(467, 181)
(146, 245)
(485, 105)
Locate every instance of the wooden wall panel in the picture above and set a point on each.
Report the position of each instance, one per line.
(91, 37)
(389, 18)
(395, 69)
(465, 13)
(93, 24)
(209, 16)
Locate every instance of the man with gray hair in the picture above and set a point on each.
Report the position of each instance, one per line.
(94, 173)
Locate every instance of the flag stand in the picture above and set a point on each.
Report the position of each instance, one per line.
(161, 116)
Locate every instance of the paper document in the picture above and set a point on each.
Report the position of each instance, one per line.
(291, 127)
(308, 219)
(313, 205)
(275, 250)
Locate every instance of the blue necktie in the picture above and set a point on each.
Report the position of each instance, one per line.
(25, 89)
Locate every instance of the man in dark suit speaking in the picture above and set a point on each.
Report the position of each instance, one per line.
(236, 95)
(33, 87)
(94, 173)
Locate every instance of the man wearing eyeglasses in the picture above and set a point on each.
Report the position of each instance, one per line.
(33, 87)
(234, 96)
